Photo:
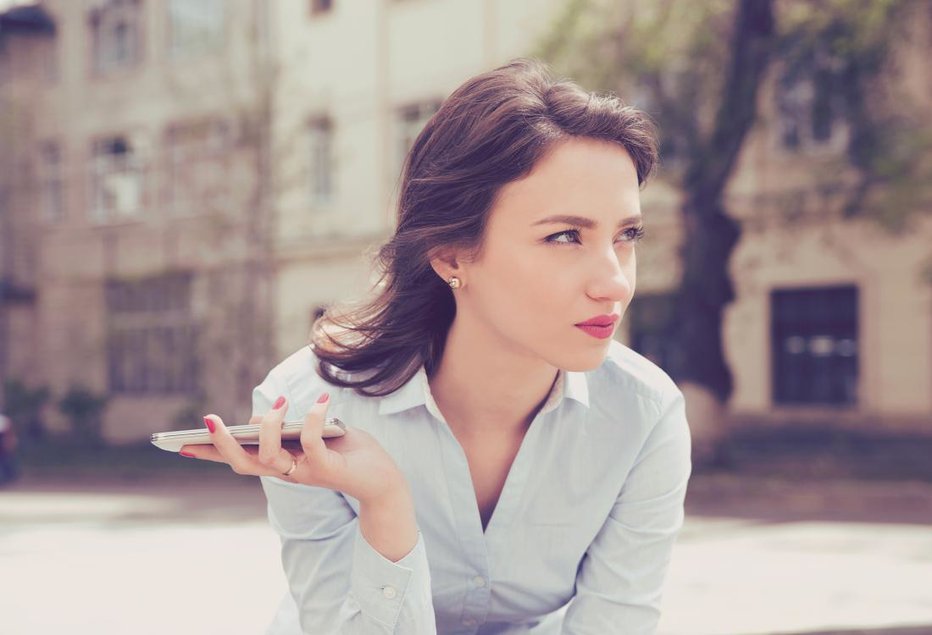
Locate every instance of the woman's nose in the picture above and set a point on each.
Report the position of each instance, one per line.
(614, 280)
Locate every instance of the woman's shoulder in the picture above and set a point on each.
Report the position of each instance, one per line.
(630, 395)
(627, 369)
(300, 364)
(298, 376)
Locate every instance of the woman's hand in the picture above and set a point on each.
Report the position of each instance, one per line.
(354, 463)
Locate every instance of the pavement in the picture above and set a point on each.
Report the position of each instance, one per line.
(757, 555)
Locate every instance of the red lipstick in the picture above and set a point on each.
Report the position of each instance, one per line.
(600, 326)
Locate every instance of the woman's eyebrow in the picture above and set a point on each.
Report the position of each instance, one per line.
(582, 221)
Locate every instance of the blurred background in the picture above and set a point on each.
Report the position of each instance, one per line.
(186, 185)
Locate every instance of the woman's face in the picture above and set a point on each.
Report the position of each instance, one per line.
(539, 274)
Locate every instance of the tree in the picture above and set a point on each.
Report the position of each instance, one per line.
(698, 69)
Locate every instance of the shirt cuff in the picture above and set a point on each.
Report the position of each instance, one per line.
(381, 586)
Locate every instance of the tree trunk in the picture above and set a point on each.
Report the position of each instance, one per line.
(711, 235)
(705, 288)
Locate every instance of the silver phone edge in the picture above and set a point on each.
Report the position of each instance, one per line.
(240, 429)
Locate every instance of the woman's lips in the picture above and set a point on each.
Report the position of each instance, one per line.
(601, 332)
(600, 326)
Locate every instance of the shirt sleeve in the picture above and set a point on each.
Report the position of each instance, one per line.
(620, 579)
(338, 581)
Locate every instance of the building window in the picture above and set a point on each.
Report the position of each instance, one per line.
(117, 180)
(411, 120)
(51, 183)
(195, 27)
(815, 346)
(808, 112)
(320, 141)
(34, 56)
(151, 337)
(652, 328)
(321, 6)
(197, 175)
(116, 35)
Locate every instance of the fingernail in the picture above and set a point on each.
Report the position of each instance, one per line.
(279, 403)
(323, 398)
(209, 423)
(187, 454)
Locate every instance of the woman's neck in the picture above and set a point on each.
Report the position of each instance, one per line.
(481, 387)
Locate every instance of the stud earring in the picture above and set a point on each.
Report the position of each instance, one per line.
(454, 282)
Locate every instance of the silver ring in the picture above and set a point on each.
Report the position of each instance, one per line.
(294, 466)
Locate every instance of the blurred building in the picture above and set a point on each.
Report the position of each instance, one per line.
(140, 226)
(186, 184)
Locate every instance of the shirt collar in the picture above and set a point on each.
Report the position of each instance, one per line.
(416, 392)
(411, 394)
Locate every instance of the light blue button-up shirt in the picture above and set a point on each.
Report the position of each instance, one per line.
(588, 514)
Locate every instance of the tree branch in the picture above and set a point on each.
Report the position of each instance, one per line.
(751, 44)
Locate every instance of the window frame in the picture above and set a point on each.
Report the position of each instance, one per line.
(322, 164)
(101, 169)
(178, 53)
(102, 21)
(815, 330)
(407, 129)
(155, 314)
(51, 182)
(652, 317)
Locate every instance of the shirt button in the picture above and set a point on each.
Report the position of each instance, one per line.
(479, 581)
(389, 592)
(469, 622)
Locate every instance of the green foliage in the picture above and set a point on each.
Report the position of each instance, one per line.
(664, 57)
(896, 182)
(85, 410)
(846, 51)
(670, 57)
(23, 405)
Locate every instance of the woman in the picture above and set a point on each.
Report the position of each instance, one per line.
(503, 457)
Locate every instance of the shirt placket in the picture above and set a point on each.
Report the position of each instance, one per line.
(477, 595)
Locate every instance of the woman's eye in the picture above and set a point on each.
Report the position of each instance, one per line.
(631, 235)
(570, 232)
(634, 234)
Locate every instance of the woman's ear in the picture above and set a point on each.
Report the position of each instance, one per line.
(446, 262)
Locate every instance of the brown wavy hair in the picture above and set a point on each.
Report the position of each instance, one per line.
(490, 131)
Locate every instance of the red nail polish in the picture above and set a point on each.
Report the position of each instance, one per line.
(279, 403)
(187, 454)
(209, 423)
(323, 398)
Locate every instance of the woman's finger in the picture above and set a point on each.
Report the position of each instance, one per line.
(271, 454)
(312, 441)
(232, 452)
(205, 452)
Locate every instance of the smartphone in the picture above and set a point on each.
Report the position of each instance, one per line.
(246, 435)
